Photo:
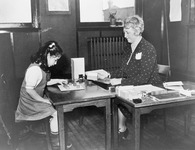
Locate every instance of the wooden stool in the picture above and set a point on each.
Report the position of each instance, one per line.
(28, 125)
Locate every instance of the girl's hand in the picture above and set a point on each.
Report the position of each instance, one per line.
(57, 81)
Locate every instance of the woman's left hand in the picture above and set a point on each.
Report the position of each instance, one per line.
(103, 75)
(115, 81)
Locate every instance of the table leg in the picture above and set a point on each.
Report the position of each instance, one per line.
(61, 127)
(115, 125)
(108, 125)
(187, 121)
(136, 126)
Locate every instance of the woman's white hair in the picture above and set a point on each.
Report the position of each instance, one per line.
(135, 22)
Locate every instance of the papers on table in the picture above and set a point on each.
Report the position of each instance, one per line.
(63, 85)
(133, 92)
(178, 86)
(57, 81)
(115, 81)
(148, 88)
(71, 87)
(185, 92)
(102, 76)
(95, 74)
(174, 85)
(169, 95)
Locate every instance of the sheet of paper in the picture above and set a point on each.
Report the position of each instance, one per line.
(170, 95)
(148, 88)
(56, 81)
(91, 75)
(71, 87)
(100, 73)
(132, 92)
(171, 83)
(174, 85)
(175, 10)
(105, 81)
(115, 81)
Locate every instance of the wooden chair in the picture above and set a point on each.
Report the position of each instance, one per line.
(14, 132)
(24, 129)
(164, 72)
(3, 107)
(6, 130)
(188, 115)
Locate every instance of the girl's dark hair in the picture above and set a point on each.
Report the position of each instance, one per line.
(40, 57)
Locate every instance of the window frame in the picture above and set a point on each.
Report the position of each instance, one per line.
(33, 25)
(138, 10)
(87, 24)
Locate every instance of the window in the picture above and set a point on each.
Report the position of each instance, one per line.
(18, 14)
(97, 12)
(192, 12)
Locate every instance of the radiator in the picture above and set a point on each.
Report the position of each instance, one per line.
(105, 52)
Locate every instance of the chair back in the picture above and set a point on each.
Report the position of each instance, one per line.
(3, 93)
(164, 72)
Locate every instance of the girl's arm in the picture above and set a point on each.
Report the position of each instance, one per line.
(36, 96)
(56, 81)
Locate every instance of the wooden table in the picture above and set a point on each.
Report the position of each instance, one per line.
(146, 107)
(92, 95)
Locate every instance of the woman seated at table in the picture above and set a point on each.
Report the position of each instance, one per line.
(138, 67)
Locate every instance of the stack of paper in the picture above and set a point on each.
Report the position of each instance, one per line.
(178, 86)
(148, 88)
(95, 74)
(115, 81)
(71, 87)
(102, 76)
(174, 85)
(57, 81)
(133, 92)
(91, 75)
(121, 89)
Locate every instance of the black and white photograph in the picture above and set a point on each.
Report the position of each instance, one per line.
(97, 75)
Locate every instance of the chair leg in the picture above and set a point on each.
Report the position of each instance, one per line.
(165, 120)
(6, 130)
(187, 121)
(81, 118)
(48, 138)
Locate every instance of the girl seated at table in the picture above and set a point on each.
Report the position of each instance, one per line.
(33, 103)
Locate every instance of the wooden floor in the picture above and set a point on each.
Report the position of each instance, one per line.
(90, 135)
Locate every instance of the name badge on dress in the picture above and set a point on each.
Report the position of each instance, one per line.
(138, 56)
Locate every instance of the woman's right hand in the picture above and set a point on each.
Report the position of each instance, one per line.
(103, 75)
